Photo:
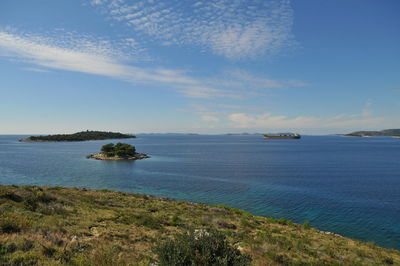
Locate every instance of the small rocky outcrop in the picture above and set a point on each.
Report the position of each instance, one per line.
(116, 152)
(101, 156)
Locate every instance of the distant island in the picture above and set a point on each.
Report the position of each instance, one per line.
(79, 136)
(241, 134)
(386, 132)
(119, 151)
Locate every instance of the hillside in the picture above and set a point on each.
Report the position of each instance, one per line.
(386, 132)
(66, 226)
(79, 136)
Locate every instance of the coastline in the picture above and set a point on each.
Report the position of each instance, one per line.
(70, 161)
(100, 156)
(30, 140)
(78, 136)
(62, 219)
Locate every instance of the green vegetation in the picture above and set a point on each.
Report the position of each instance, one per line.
(67, 226)
(386, 132)
(122, 150)
(200, 247)
(80, 136)
(119, 151)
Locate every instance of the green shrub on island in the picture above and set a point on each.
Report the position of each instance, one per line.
(122, 150)
(200, 247)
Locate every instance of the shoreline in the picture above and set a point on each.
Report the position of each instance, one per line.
(100, 156)
(30, 140)
(102, 219)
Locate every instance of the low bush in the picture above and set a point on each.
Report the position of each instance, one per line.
(12, 223)
(8, 247)
(174, 220)
(200, 247)
(28, 258)
(283, 221)
(32, 202)
(388, 261)
(10, 195)
(8, 225)
(53, 209)
(306, 225)
(44, 198)
(25, 244)
(148, 221)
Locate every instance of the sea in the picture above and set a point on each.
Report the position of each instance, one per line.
(346, 185)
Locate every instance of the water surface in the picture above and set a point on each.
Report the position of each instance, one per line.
(350, 186)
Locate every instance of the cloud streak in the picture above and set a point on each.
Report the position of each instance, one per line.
(238, 29)
(269, 121)
(104, 58)
(36, 51)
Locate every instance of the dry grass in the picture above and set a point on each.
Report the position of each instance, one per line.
(60, 226)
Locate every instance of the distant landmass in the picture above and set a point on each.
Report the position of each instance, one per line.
(79, 136)
(241, 134)
(386, 132)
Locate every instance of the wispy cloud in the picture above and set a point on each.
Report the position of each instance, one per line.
(233, 29)
(367, 108)
(97, 2)
(244, 80)
(297, 83)
(209, 118)
(205, 112)
(33, 69)
(95, 60)
(269, 121)
(104, 58)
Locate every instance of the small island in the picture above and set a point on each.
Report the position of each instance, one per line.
(119, 151)
(387, 132)
(79, 136)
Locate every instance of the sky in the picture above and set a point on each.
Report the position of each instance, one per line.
(196, 66)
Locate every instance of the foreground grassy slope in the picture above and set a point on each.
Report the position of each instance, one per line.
(51, 225)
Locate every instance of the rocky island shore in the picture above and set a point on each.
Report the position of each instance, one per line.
(101, 156)
(116, 152)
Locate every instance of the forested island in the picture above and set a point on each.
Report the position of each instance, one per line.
(386, 132)
(79, 136)
(71, 226)
(119, 151)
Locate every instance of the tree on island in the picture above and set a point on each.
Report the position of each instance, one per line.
(122, 150)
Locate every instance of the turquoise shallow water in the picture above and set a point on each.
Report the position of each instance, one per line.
(350, 186)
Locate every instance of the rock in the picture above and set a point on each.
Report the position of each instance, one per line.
(100, 156)
(218, 209)
(224, 224)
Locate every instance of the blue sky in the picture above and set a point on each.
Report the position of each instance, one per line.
(313, 67)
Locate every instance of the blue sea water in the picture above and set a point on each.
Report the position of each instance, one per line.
(350, 186)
